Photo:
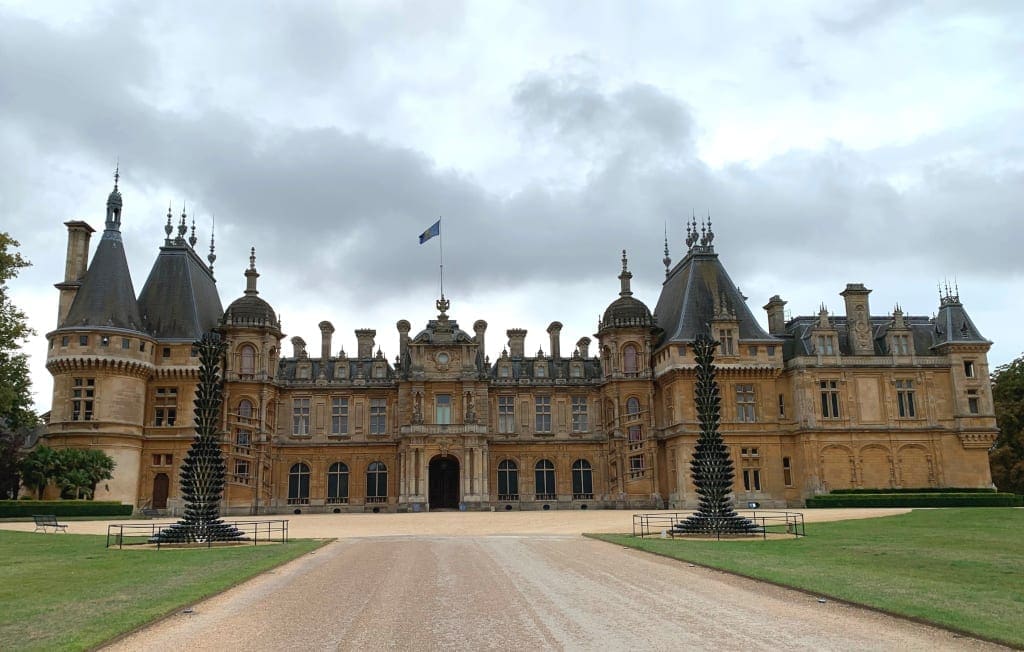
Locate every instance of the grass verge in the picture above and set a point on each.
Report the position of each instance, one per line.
(68, 592)
(957, 568)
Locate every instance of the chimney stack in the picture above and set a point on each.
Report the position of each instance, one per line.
(776, 315)
(403, 327)
(364, 342)
(858, 318)
(480, 328)
(555, 333)
(298, 347)
(583, 346)
(326, 330)
(75, 263)
(516, 342)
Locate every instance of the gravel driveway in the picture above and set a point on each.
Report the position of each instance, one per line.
(536, 591)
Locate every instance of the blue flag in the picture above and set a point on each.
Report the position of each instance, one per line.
(435, 229)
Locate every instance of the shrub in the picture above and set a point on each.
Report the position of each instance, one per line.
(949, 499)
(922, 490)
(17, 508)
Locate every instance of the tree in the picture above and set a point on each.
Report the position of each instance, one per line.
(15, 383)
(41, 465)
(1007, 456)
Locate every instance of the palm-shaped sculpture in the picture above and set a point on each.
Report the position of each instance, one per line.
(203, 472)
(711, 466)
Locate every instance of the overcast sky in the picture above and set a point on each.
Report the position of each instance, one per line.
(877, 142)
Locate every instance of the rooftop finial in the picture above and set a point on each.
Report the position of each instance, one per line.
(666, 260)
(624, 277)
(703, 234)
(192, 238)
(212, 257)
(167, 227)
(182, 228)
(113, 224)
(117, 174)
(251, 275)
(711, 234)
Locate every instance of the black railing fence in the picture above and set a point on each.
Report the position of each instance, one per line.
(136, 534)
(768, 522)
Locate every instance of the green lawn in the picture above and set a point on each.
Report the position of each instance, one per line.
(959, 568)
(68, 592)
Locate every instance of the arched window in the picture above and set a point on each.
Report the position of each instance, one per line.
(629, 359)
(508, 480)
(376, 483)
(544, 476)
(244, 433)
(248, 360)
(337, 484)
(633, 407)
(582, 480)
(298, 484)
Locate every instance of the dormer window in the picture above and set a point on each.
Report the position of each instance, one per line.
(825, 345)
(541, 371)
(901, 345)
(504, 371)
(727, 339)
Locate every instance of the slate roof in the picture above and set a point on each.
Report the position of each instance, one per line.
(179, 300)
(952, 325)
(697, 290)
(106, 297)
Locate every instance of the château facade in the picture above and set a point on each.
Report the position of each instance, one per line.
(813, 404)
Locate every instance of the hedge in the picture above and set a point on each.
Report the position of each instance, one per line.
(15, 508)
(949, 499)
(922, 490)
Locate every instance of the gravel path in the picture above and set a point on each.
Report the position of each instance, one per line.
(537, 591)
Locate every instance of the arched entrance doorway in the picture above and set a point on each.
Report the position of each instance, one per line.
(161, 484)
(444, 482)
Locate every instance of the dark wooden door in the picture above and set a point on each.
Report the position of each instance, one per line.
(161, 485)
(444, 482)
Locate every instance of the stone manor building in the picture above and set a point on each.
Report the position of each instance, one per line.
(814, 403)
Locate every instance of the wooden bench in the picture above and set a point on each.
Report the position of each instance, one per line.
(44, 521)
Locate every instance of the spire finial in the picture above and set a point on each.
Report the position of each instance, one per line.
(711, 233)
(192, 238)
(251, 274)
(212, 256)
(624, 277)
(182, 228)
(117, 174)
(666, 260)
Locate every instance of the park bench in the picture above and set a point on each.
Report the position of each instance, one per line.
(44, 521)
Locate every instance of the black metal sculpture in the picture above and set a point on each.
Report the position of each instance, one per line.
(203, 472)
(711, 466)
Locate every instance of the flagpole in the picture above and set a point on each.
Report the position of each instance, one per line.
(440, 239)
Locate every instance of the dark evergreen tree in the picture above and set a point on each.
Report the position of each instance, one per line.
(202, 472)
(711, 466)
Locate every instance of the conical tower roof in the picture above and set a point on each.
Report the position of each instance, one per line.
(106, 297)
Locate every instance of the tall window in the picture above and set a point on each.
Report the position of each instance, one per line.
(242, 471)
(787, 472)
(636, 466)
(632, 407)
(243, 434)
(582, 480)
(750, 458)
(726, 337)
(973, 406)
(579, 414)
(745, 403)
(905, 399)
(165, 406)
(629, 359)
(544, 476)
(443, 409)
(782, 405)
(825, 346)
(339, 416)
(969, 368)
(300, 416)
(248, 360)
(508, 480)
(378, 416)
(829, 399)
(376, 483)
(543, 413)
(83, 392)
(506, 414)
(298, 484)
(337, 484)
